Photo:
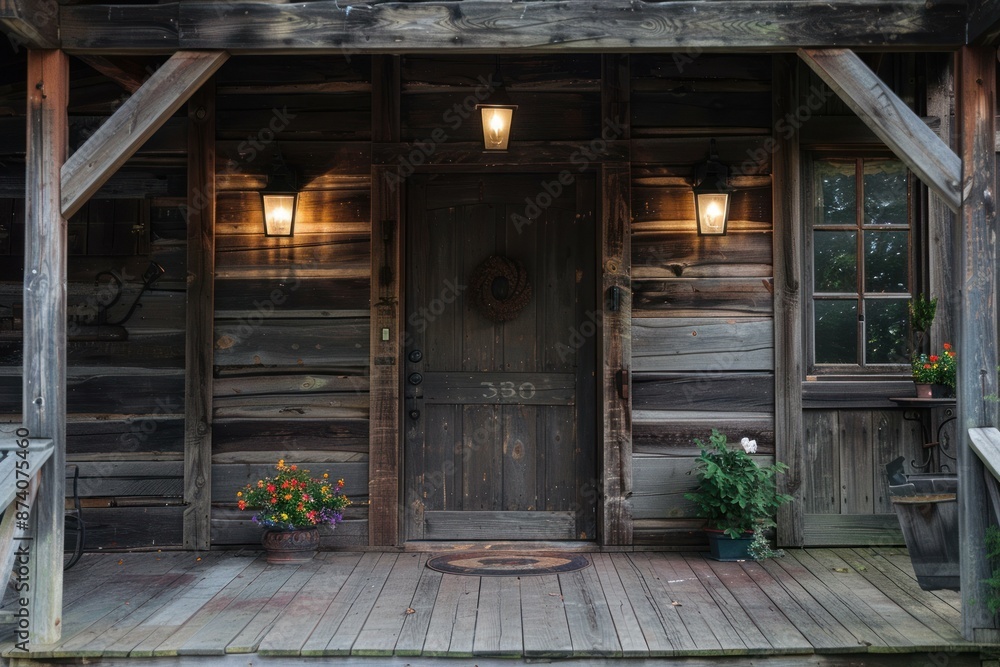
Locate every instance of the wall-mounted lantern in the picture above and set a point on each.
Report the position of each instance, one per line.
(711, 195)
(497, 116)
(279, 199)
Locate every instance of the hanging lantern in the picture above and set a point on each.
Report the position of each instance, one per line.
(712, 195)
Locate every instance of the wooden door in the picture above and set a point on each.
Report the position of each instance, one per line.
(499, 416)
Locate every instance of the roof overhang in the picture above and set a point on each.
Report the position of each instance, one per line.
(326, 26)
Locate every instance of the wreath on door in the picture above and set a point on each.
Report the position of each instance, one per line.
(499, 288)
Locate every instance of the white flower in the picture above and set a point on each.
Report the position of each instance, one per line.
(749, 446)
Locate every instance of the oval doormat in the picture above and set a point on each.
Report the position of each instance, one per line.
(508, 563)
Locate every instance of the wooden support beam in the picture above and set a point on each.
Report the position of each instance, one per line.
(788, 345)
(199, 340)
(386, 315)
(44, 404)
(977, 342)
(30, 23)
(122, 134)
(891, 120)
(498, 25)
(614, 253)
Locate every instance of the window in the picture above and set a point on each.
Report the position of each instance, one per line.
(859, 248)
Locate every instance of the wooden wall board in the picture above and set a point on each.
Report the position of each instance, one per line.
(150, 435)
(293, 342)
(691, 297)
(704, 391)
(252, 74)
(683, 255)
(289, 433)
(159, 353)
(109, 394)
(672, 433)
(252, 297)
(671, 344)
(133, 527)
(296, 117)
(344, 253)
(693, 106)
(313, 160)
(677, 156)
(557, 72)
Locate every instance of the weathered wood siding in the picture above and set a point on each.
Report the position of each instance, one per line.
(292, 330)
(125, 397)
(850, 428)
(292, 314)
(702, 326)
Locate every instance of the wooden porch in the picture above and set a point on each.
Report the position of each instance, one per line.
(814, 606)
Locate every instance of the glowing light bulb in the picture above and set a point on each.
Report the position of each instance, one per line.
(496, 127)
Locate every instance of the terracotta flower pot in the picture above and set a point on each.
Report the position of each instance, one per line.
(924, 389)
(290, 547)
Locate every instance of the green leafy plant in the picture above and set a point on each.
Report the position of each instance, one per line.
(936, 368)
(922, 313)
(760, 548)
(291, 499)
(735, 494)
(993, 554)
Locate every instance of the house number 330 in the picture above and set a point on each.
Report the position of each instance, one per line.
(507, 389)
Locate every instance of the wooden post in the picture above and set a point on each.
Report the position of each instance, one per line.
(615, 255)
(200, 319)
(977, 353)
(44, 406)
(942, 228)
(787, 251)
(386, 315)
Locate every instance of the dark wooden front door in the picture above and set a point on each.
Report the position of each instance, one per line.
(500, 416)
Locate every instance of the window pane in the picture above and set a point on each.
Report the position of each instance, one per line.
(835, 261)
(836, 331)
(886, 261)
(885, 192)
(886, 331)
(836, 193)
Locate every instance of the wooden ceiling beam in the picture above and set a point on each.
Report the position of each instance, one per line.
(123, 134)
(30, 23)
(899, 128)
(492, 25)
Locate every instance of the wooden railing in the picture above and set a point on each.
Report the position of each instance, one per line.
(21, 459)
(985, 442)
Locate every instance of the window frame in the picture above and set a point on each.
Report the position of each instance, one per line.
(859, 156)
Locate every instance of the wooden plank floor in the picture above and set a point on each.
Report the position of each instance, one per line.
(821, 603)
